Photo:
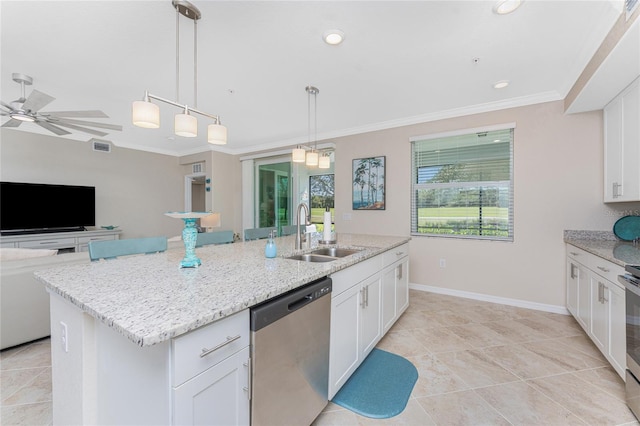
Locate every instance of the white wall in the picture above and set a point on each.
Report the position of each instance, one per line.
(558, 185)
(133, 188)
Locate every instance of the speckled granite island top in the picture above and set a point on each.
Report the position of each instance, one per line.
(605, 245)
(149, 299)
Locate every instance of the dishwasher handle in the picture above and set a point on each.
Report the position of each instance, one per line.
(272, 310)
(304, 300)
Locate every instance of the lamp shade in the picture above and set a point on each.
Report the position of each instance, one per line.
(145, 114)
(324, 162)
(211, 221)
(312, 158)
(297, 155)
(186, 125)
(217, 134)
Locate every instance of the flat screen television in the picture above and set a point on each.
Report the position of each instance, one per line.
(36, 207)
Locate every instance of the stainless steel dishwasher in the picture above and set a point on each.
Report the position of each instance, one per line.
(290, 356)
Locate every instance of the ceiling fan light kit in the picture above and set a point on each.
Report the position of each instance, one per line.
(147, 115)
(27, 110)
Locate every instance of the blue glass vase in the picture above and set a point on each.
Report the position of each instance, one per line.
(189, 237)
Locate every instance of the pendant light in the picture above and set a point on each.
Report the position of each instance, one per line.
(324, 162)
(312, 156)
(146, 114)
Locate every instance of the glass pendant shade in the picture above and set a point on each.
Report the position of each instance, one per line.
(298, 155)
(145, 114)
(217, 134)
(186, 125)
(312, 158)
(324, 162)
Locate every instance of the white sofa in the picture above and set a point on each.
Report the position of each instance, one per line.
(24, 302)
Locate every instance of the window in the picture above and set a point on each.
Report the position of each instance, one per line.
(462, 185)
(321, 196)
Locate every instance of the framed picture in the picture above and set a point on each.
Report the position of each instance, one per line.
(368, 183)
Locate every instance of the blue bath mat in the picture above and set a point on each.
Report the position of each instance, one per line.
(380, 387)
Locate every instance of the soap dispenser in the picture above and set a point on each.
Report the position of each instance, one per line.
(270, 250)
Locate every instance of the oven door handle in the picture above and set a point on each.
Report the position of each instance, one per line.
(630, 283)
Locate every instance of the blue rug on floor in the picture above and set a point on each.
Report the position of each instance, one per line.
(380, 387)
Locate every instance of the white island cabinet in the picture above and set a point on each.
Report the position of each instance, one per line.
(366, 301)
(138, 340)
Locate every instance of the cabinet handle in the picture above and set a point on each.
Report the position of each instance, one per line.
(399, 253)
(247, 388)
(366, 296)
(362, 301)
(616, 190)
(573, 273)
(603, 269)
(399, 274)
(206, 351)
(573, 253)
(604, 299)
(600, 292)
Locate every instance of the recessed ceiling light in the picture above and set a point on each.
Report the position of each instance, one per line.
(503, 7)
(333, 37)
(500, 84)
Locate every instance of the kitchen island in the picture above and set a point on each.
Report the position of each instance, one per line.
(118, 326)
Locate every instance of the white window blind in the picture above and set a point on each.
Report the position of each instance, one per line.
(462, 186)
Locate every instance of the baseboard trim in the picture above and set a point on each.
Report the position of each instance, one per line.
(494, 299)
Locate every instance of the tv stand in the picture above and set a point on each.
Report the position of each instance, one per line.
(64, 242)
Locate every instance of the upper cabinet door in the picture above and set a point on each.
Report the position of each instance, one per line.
(622, 146)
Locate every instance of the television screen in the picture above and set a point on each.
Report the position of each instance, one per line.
(30, 207)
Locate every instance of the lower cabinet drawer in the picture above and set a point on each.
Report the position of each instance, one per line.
(198, 350)
(47, 244)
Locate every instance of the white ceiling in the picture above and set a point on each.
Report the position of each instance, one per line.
(401, 62)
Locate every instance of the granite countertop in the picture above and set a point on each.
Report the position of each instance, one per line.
(150, 299)
(605, 245)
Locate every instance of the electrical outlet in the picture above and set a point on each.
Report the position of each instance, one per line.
(443, 263)
(64, 337)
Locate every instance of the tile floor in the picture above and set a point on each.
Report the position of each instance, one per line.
(478, 362)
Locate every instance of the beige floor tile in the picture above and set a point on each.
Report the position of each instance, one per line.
(37, 390)
(590, 403)
(28, 414)
(479, 335)
(566, 356)
(486, 313)
(475, 368)
(521, 404)
(434, 377)
(604, 378)
(413, 319)
(402, 343)
(12, 380)
(522, 362)
(34, 355)
(446, 318)
(461, 408)
(336, 418)
(584, 344)
(551, 328)
(515, 332)
(413, 414)
(440, 340)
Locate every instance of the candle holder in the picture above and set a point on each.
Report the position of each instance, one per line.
(189, 236)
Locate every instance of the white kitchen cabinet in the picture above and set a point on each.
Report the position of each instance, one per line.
(218, 396)
(344, 350)
(622, 146)
(395, 285)
(592, 285)
(370, 317)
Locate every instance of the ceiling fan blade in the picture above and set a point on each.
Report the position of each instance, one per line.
(7, 106)
(50, 127)
(12, 123)
(4, 113)
(88, 123)
(37, 100)
(78, 114)
(81, 129)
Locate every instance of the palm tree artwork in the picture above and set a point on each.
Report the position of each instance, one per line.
(368, 183)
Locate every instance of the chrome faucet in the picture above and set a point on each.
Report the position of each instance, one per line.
(306, 222)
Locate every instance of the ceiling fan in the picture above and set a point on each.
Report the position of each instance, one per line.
(28, 110)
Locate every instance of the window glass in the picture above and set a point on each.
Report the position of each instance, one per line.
(462, 185)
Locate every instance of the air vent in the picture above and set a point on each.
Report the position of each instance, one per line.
(100, 145)
(197, 168)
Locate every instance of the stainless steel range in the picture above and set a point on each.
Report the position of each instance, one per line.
(631, 281)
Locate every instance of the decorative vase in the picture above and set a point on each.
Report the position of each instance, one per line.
(189, 236)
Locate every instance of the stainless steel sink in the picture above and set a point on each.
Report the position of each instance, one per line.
(335, 251)
(312, 258)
